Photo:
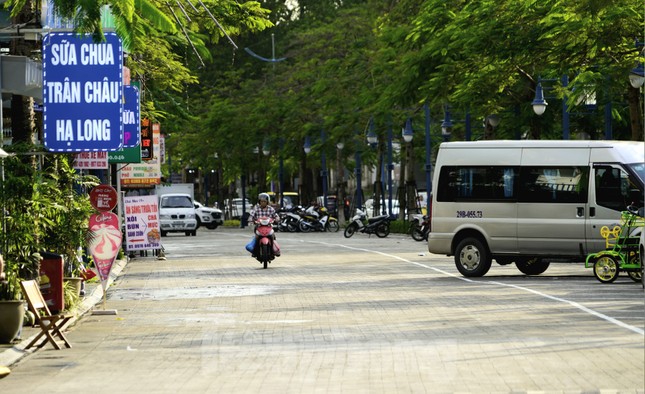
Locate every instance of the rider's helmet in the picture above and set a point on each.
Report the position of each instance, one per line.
(263, 197)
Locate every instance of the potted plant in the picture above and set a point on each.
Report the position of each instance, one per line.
(67, 227)
(12, 309)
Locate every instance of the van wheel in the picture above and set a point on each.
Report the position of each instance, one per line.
(472, 258)
(532, 266)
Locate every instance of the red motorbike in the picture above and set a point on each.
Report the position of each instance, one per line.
(266, 248)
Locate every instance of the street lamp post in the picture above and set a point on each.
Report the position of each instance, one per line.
(409, 198)
(358, 201)
(428, 167)
(539, 103)
(379, 196)
(447, 125)
(323, 171)
(390, 167)
(636, 109)
(539, 107)
(323, 162)
(340, 179)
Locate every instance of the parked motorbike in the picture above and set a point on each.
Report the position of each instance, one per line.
(266, 248)
(289, 220)
(379, 225)
(317, 220)
(420, 228)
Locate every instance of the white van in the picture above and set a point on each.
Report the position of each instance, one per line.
(530, 202)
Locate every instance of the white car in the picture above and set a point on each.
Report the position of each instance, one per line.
(177, 214)
(208, 217)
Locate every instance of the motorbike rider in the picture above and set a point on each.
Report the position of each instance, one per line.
(263, 209)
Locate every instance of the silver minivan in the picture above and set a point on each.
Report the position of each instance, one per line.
(530, 202)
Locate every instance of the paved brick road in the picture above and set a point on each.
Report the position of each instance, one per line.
(333, 319)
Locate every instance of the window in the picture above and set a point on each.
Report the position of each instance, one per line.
(554, 184)
(525, 184)
(616, 189)
(477, 183)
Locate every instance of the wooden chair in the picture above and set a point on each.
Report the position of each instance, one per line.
(50, 325)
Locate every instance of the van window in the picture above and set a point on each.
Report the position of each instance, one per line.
(616, 189)
(477, 183)
(554, 184)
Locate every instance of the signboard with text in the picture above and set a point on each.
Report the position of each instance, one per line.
(82, 92)
(125, 155)
(147, 144)
(91, 161)
(146, 174)
(142, 223)
(131, 117)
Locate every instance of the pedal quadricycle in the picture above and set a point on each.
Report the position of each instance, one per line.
(622, 252)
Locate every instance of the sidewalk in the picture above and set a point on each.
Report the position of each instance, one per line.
(12, 353)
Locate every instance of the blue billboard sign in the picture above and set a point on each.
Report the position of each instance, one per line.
(82, 92)
(131, 117)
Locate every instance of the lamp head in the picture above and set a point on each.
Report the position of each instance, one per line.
(372, 139)
(637, 76)
(539, 104)
(407, 131)
(493, 120)
(446, 125)
(307, 145)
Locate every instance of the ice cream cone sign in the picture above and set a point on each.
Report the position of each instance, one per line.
(104, 241)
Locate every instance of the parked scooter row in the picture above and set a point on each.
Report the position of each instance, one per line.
(307, 220)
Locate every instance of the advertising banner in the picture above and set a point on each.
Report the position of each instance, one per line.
(82, 92)
(142, 223)
(104, 241)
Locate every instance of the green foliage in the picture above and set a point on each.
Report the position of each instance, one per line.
(10, 287)
(46, 209)
(399, 227)
(70, 295)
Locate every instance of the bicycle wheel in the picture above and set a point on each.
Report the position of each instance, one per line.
(606, 269)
